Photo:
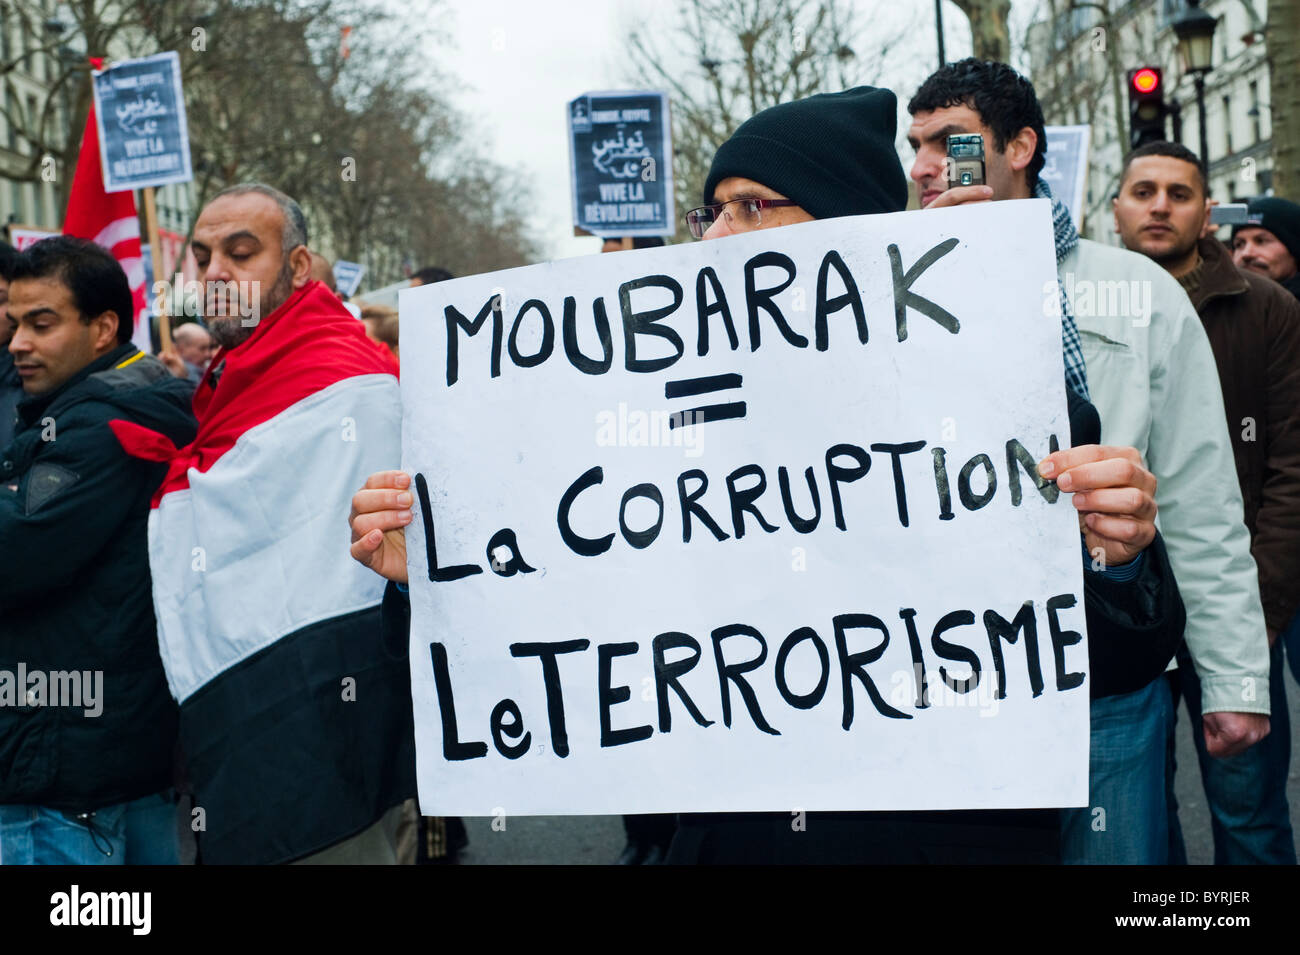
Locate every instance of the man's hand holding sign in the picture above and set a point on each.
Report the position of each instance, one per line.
(380, 512)
(1114, 495)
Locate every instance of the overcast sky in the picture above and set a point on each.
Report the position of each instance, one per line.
(521, 61)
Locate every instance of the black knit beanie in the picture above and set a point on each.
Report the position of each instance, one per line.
(833, 153)
(1277, 215)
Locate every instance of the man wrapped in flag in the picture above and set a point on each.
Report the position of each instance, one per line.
(295, 717)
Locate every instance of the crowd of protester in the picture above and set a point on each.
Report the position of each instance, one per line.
(116, 530)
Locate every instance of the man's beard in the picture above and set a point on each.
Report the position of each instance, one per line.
(232, 330)
(1175, 255)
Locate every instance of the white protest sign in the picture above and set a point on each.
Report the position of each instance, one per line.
(348, 275)
(738, 613)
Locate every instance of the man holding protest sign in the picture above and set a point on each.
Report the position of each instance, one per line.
(1153, 378)
(1103, 479)
(295, 717)
(793, 146)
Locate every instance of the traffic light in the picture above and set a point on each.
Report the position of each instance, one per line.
(1146, 106)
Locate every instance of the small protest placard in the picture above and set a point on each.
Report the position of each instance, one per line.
(348, 275)
(23, 236)
(748, 524)
(621, 158)
(1065, 170)
(144, 139)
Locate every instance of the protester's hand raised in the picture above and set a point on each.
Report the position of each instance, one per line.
(961, 195)
(174, 363)
(380, 512)
(1114, 494)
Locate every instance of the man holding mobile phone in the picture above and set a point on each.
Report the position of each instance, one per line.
(1152, 375)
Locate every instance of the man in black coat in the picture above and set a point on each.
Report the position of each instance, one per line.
(87, 724)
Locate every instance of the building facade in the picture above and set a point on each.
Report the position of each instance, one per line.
(1079, 62)
(36, 51)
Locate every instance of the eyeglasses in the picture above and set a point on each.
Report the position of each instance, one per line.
(742, 214)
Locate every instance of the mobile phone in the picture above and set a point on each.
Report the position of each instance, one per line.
(1232, 213)
(965, 160)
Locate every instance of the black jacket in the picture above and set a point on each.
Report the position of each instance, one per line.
(75, 593)
(1134, 627)
(11, 392)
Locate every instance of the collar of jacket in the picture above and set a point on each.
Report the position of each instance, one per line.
(8, 370)
(33, 406)
(1220, 277)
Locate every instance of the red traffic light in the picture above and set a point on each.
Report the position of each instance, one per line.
(1146, 80)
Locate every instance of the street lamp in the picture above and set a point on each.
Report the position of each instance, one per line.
(1195, 31)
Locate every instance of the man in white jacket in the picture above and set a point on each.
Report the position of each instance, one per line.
(1153, 379)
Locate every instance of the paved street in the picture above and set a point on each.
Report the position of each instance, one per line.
(596, 840)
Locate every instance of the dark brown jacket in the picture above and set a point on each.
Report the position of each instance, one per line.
(1254, 328)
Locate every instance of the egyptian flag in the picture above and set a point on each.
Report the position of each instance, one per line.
(296, 721)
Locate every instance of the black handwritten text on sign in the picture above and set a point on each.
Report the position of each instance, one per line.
(748, 524)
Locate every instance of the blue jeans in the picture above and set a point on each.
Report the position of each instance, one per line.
(1246, 793)
(140, 832)
(1125, 822)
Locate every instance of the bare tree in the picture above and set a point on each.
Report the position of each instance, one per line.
(332, 101)
(1085, 65)
(1284, 94)
(734, 58)
(55, 50)
(990, 38)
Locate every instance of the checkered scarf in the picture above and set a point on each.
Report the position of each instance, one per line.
(1076, 373)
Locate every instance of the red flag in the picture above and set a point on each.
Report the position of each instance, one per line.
(108, 219)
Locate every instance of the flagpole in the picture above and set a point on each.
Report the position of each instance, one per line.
(156, 255)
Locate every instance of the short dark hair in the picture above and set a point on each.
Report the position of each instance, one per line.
(294, 231)
(88, 271)
(7, 255)
(1005, 100)
(1173, 151)
(431, 273)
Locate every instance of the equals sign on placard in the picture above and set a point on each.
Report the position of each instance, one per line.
(703, 386)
